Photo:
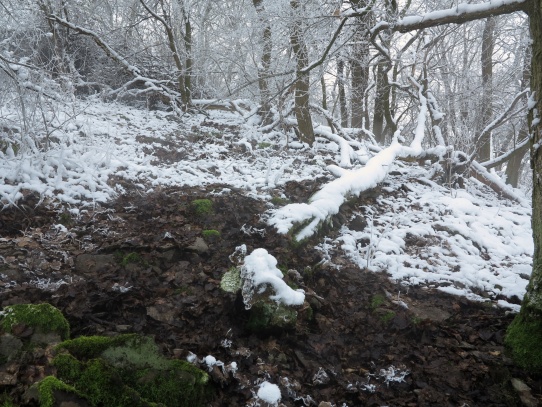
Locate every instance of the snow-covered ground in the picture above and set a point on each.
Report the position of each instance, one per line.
(465, 242)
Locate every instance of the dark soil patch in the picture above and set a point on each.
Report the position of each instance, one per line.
(139, 265)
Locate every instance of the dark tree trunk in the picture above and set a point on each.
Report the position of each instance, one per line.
(524, 335)
(359, 67)
(263, 71)
(381, 102)
(483, 145)
(342, 93)
(302, 85)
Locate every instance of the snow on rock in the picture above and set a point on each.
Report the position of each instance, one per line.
(269, 392)
(260, 270)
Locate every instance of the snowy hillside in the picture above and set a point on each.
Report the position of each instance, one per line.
(462, 241)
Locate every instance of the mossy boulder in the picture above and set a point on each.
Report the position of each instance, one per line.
(231, 280)
(50, 388)
(128, 370)
(46, 321)
(269, 317)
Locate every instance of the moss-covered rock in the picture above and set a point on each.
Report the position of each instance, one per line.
(51, 385)
(231, 280)
(43, 318)
(270, 317)
(128, 370)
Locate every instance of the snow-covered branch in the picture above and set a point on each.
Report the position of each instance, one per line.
(459, 14)
(504, 157)
(503, 116)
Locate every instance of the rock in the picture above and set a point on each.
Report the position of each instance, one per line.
(123, 328)
(110, 370)
(47, 338)
(199, 246)
(325, 404)
(10, 346)
(524, 393)
(268, 317)
(358, 224)
(42, 318)
(162, 312)
(7, 379)
(93, 263)
(431, 313)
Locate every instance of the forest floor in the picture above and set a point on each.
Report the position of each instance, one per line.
(138, 264)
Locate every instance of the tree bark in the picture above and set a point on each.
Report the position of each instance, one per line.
(513, 167)
(302, 85)
(524, 335)
(483, 144)
(381, 101)
(359, 67)
(342, 94)
(263, 70)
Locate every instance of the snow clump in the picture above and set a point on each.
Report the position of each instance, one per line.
(269, 393)
(260, 270)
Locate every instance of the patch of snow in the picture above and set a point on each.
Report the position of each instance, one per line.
(269, 392)
(260, 270)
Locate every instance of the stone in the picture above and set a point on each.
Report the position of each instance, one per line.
(93, 263)
(358, 224)
(10, 346)
(47, 338)
(162, 312)
(199, 246)
(7, 379)
(524, 393)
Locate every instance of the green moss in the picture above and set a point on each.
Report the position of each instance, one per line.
(202, 207)
(278, 201)
(48, 386)
(231, 280)
(128, 370)
(88, 347)
(263, 145)
(387, 317)
(210, 235)
(268, 317)
(6, 400)
(377, 301)
(43, 318)
(132, 257)
(523, 338)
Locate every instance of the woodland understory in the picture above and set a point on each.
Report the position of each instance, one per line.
(378, 151)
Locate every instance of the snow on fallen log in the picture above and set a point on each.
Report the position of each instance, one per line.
(493, 181)
(306, 218)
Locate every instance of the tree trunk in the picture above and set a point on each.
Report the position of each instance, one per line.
(302, 85)
(513, 167)
(483, 144)
(359, 67)
(342, 93)
(263, 71)
(380, 102)
(524, 335)
(187, 96)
